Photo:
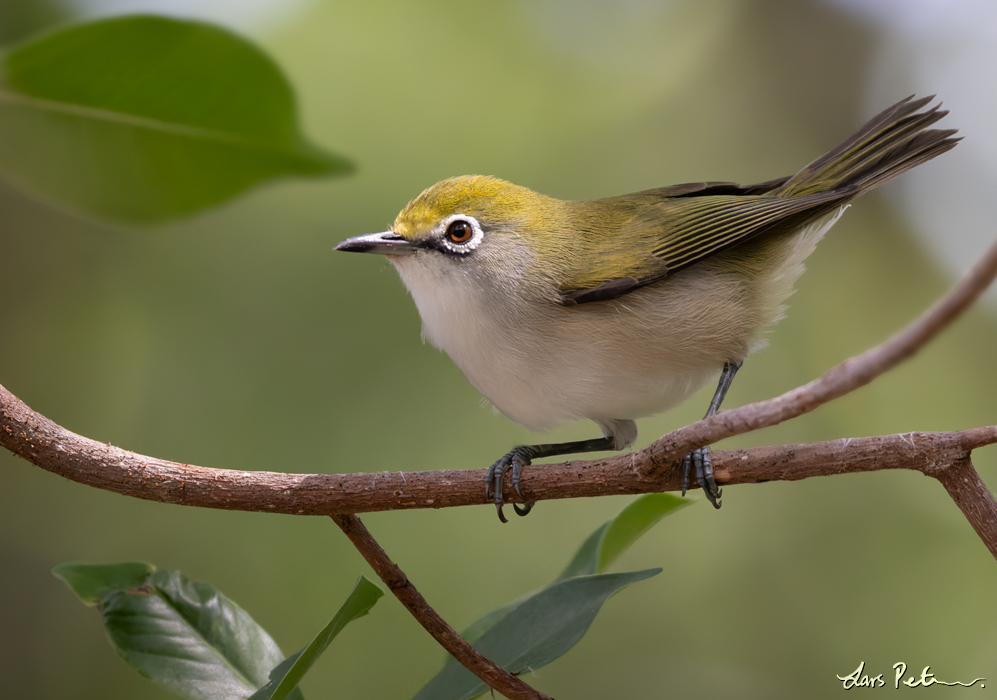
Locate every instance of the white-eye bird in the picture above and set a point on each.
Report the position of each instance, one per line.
(619, 308)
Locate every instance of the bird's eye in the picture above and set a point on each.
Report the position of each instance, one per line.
(461, 234)
(459, 231)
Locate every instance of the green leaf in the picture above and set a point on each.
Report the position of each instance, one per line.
(285, 677)
(616, 536)
(489, 620)
(91, 582)
(180, 633)
(598, 552)
(143, 118)
(538, 631)
(189, 637)
(586, 559)
(273, 687)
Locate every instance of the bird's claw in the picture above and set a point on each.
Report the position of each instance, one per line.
(703, 464)
(515, 460)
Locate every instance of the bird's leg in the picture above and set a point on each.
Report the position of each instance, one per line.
(700, 458)
(521, 456)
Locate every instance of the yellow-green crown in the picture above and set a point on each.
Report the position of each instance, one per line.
(487, 198)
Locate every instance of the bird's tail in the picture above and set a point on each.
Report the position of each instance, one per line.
(894, 141)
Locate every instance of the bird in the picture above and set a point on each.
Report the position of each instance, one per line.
(619, 308)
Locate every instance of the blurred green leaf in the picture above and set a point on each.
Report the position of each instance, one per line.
(489, 620)
(598, 551)
(143, 118)
(285, 677)
(555, 617)
(538, 631)
(183, 634)
(91, 582)
(607, 543)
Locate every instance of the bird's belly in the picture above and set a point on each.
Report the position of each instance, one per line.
(599, 389)
(620, 359)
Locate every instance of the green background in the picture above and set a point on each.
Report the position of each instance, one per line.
(238, 339)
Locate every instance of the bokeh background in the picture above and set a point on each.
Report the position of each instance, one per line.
(238, 339)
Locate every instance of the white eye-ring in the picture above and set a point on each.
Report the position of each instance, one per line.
(461, 234)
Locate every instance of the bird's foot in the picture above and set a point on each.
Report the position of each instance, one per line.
(515, 459)
(699, 460)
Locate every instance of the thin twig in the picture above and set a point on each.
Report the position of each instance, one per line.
(973, 498)
(398, 583)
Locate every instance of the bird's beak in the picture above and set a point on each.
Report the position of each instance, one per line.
(384, 243)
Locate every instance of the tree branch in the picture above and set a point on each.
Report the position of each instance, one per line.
(973, 498)
(47, 445)
(97, 464)
(397, 582)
